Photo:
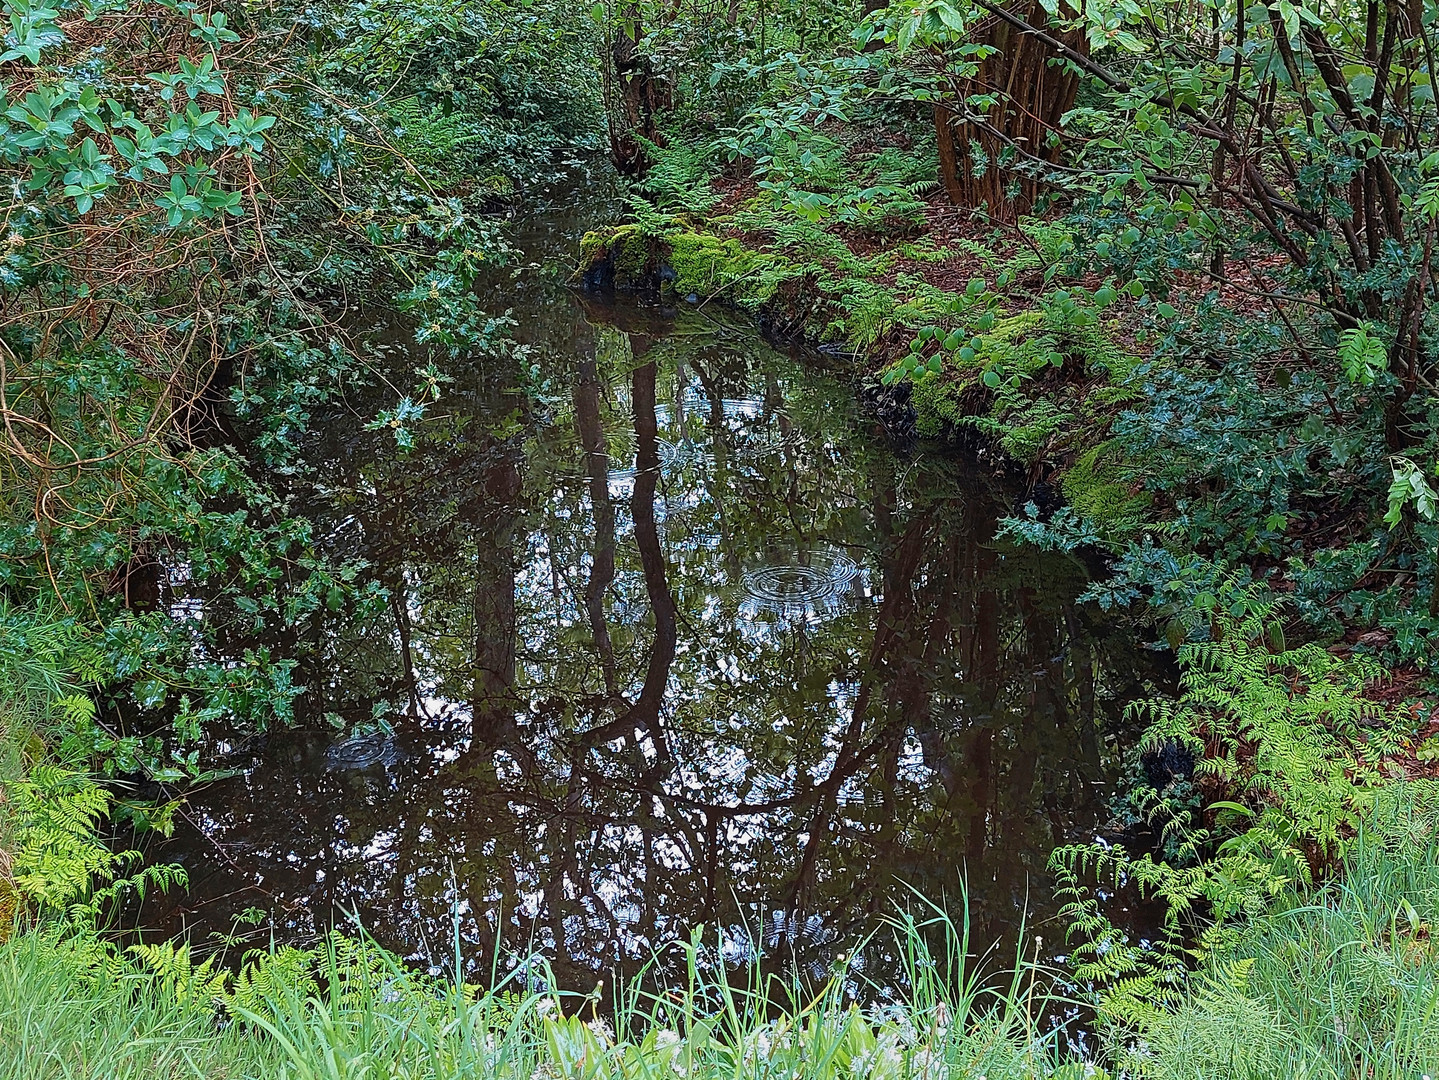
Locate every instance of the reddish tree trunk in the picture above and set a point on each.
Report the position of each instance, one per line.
(988, 157)
(635, 95)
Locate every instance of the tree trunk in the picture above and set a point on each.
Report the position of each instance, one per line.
(634, 96)
(990, 157)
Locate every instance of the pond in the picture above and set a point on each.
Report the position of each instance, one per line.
(672, 639)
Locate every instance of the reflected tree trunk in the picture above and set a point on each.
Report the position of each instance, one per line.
(892, 627)
(646, 709)
(399, 607)
(492, 670)
(602, 569)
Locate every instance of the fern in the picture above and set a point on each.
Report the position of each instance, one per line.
(432, 137)
(179, 977)
(57, 853)
(269, 974)
(1291, 740)
(54, 862)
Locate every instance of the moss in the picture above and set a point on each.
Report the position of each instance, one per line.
(1012, 347)
(705, 265)
(622, 246)
(937, 403)
(634, 257)
(686, 260)
(1099, 486)
(957, 395)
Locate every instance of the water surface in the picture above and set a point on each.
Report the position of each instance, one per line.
(671, 639)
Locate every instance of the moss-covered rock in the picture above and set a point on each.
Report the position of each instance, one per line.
(686, 261)
(618, 255)
(706, 265)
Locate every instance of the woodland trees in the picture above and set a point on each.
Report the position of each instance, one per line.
(1312, 128)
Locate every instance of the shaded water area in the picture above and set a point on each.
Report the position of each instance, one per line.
(672, 638)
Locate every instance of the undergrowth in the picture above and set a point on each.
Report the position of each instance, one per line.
(1292, 758)
(346, 1009)
(54, 865)
(1333, 983)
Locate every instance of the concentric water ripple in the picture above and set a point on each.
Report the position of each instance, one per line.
(360, 752)
(670, 455)
(812, 582)
(745, 408)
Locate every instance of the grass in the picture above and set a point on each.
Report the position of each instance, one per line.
(1339, 984)
(74, 1009)
(63, 1016)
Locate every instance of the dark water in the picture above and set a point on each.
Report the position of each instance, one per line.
(676, 639)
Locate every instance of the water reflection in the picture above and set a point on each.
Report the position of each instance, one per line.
(684, 645)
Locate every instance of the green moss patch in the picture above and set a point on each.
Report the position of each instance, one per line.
(1100, 486)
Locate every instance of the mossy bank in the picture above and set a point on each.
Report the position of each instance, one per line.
(998, 355)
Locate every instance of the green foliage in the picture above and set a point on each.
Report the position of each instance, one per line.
(1295, 750)
(1101, 488)
(181, 222)
(53, 862)
(70, 1013)
(432, 138)
(492, 92)
(1334, 982)
(1363, 355)
(679, 179)
(57, 853)
(347, 1009)
(167, 158)
(1409, 486)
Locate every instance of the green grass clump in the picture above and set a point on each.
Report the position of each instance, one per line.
(1335, 984)
(73, 1008)
(67, 1014)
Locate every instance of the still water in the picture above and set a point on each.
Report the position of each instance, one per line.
(673, 638)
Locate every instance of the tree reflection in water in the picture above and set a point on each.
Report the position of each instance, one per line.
(690, 647)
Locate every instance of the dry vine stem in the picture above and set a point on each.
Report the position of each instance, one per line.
(116, 289)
